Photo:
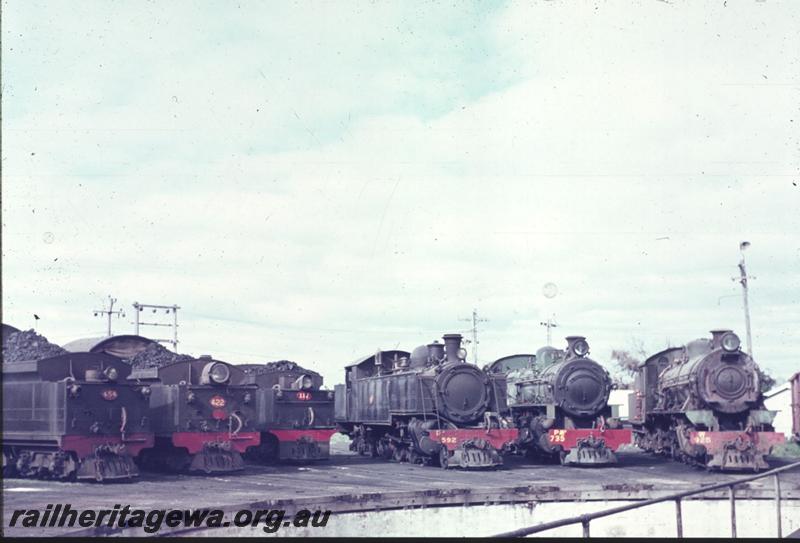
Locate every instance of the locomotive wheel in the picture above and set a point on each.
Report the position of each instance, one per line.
(444, 458)
(384, 450)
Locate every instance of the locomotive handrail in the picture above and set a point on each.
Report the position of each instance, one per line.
(585, 519)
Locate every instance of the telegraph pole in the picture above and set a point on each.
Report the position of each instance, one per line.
(138, 308)
(743, 278)
(108, 312)
(549, 324)
(474, 320)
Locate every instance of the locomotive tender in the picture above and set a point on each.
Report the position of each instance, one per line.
(294, 415)
(203, 415)
(73, 416)
(559, 402)
(428, 406)
(701, 403)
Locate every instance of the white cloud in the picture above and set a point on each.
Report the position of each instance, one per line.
(624, 155)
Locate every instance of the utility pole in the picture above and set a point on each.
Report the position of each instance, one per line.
(138, 308)
(474, 320)
(108, 312)
(743, 278)
(549, 324)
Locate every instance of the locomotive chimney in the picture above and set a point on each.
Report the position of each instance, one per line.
(716, 338)
(452, 344)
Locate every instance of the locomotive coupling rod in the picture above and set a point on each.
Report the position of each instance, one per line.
(585, 519)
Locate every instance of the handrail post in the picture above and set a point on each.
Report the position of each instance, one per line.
(678, 498)
(733, 510)
(778, 504)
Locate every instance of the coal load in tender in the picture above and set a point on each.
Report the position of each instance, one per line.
(155, 356)
(28, 345)
(283, 365)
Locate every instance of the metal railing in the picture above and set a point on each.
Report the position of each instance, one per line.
(588, 517)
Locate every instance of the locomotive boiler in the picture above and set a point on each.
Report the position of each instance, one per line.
(203, 415)
(73, 416)
(701, 403)
(294, 415)
(429, 407)
(559, 402)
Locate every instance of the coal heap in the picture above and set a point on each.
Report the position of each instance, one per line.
(282, 365)
(28, 345)
(285, 365)
(155, 356)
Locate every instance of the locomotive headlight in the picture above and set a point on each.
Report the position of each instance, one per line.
(219, 373)
(111, 374)
(307, 383)
(730, 342)
(581, 347)
(462, 354)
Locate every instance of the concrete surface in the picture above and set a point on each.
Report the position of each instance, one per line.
(352, 484)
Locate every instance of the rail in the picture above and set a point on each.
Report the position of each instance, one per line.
(586, 519)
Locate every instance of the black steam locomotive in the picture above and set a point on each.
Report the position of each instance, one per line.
(203, 414)
(73, 416)
(701, 403)
(426, 407)
(559, 402)
(294, 414)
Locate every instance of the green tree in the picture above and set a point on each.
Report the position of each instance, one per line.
(627, 362)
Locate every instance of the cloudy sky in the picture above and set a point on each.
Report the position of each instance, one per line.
(316, 180)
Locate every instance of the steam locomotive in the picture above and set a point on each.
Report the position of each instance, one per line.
(203, 414)
(73, 416)
(559, 402)
(428, 407)
(294, 416)
(701, 403)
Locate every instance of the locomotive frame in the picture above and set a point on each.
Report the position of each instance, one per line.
(426, 407)
(203, 414)
(295, 416)
(701, 404)
(559, 402)
(73, 416)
